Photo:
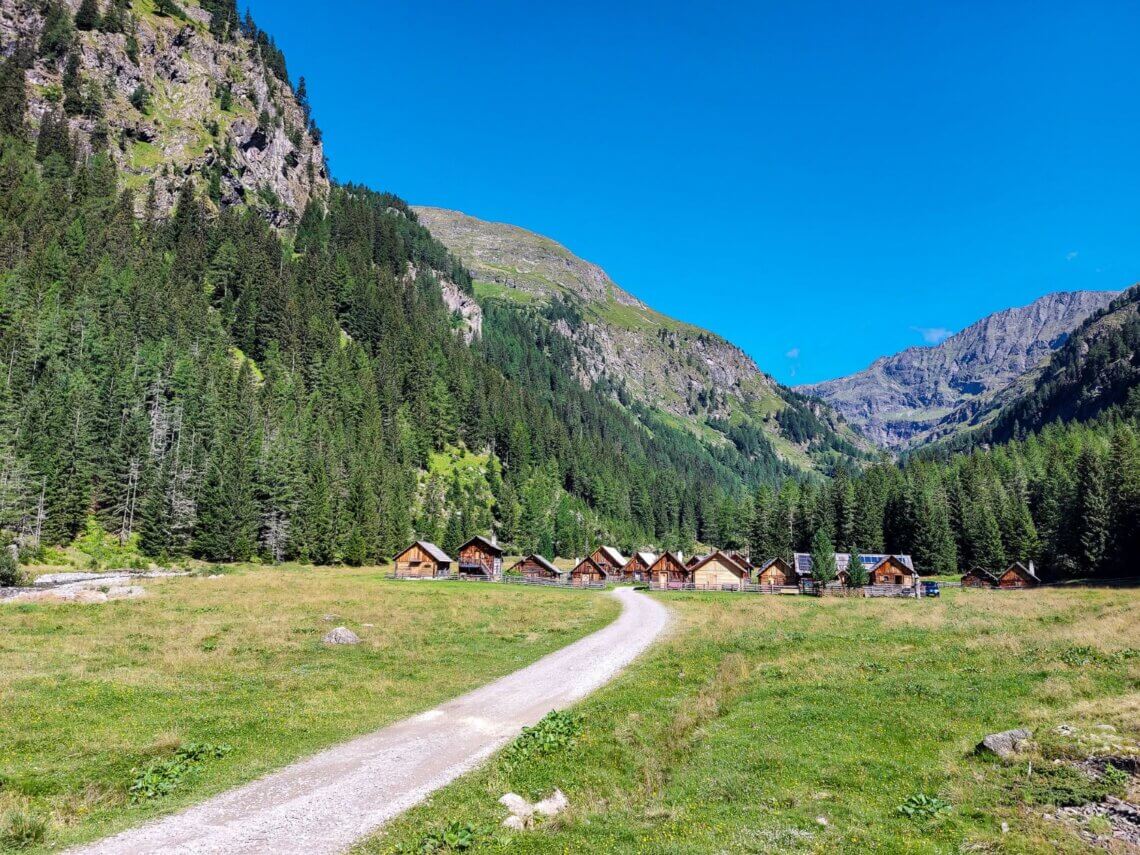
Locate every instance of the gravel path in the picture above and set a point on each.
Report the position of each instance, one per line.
(326, 803)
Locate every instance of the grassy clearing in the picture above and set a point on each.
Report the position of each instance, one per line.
(788, 724)
(208, 683)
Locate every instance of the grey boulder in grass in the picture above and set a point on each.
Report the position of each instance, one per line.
(341, 635)
(1006, 744)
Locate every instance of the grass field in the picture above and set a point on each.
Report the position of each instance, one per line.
(207, 683)
(790, 724)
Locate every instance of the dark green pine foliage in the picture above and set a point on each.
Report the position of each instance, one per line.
(13, 90)
(87, 16)
(823, 569)
(58, 31)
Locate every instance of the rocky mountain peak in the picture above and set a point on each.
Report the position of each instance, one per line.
(923, 393)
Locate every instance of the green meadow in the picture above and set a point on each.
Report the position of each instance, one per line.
(113, 713)
(790, 724)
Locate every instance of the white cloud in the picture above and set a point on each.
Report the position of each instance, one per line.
(794, 353)
(933, 335)
(1071, 256)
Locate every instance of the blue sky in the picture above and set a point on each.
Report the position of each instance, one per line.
(821, 183)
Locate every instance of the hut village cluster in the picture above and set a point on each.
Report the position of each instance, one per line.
(720, 570)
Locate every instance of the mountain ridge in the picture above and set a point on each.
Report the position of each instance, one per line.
(925, 393)
(686, 372)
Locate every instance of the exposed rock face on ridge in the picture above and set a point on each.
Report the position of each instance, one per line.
(924, 393)
(258, 152)
(688, 373)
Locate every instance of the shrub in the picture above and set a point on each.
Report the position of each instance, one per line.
(161, 777)
(22, 830)
(921, 807)
(556, 731)
(10, 574)
(168, 9)
(140, 98)
(454, 837)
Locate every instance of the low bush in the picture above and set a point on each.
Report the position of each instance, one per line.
(921, 807)
(10, 574)
(557, 730)
(161, 777)
(454, 837)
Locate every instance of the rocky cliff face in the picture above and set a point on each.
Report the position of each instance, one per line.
(170, 101)
(924, 393)
(688, 373)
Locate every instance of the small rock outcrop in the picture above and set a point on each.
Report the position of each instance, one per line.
(522, 812)
(341, 635)
(1006, 744)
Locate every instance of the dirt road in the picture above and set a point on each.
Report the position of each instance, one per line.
(327, 802)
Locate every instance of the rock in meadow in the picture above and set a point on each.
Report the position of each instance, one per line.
(341, 635)
(1006, 744)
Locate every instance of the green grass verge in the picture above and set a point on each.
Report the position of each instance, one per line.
(93, 695)
(789, 724)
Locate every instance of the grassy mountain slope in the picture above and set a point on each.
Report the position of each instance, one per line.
(685, 375)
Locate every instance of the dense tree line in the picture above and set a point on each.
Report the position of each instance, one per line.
(1066, 497)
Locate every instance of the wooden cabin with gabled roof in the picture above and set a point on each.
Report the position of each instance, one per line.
(534, 566)
(776, 573)
(979, 578)
(610, 560)
(481, 557)
(588, 572)
(893, 570)
(1017, 575)
(637, 568)
(422, 560)
(718, 571)
(669, 571)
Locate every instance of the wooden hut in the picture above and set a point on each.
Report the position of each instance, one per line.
(979, 578)
(1017, 575)
(693, 560)
(422, 560)
(609, 559)
(481, 557)
(776, 572)
(637, 568)
(718, 570)
(669, 571)
(536, 567)
(893, 570)
(587, 572)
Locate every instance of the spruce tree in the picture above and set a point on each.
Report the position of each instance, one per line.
(87, 16)
(823, 569)
(1093, 515)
